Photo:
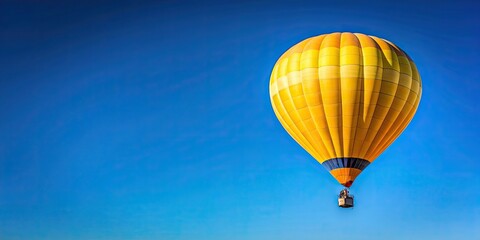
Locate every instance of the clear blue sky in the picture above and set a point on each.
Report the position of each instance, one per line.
(124, 120)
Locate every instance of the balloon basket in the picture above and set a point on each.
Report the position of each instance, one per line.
(345, 200)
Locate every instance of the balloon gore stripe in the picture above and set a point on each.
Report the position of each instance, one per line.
(348, 162)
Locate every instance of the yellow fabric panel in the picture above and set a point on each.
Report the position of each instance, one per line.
(296, 106)
(329, 77)
(282, 114)
(402, 92)
(309, 59)
(383, 131)
(384, 100)
(349, 72)
(296, 130)
(390, 75)
(415, 75)
(293, 63)
(390, 59)
(315, 104)
(350, 98)
(360, 135)
(328, 57)
(391, 120)
(366, 41)
(400, 124)
(295, 90)
(405, 81)
(326, 73)
(348, 39)
(331, 40)
(394, 134)
(322, 148)
(346, 50)
(329, 52)
(313, 43)
(352, 59)
(405, 65)
(297, 48)
(371, 57)
(290, 127)
(345, 95)
(282, 69)
(415, 86)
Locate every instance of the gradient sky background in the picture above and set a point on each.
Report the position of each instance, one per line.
(125, 120)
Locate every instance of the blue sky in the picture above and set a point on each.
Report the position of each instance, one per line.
(127, 120)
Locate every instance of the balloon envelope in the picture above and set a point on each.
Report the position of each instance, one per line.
(345, 97)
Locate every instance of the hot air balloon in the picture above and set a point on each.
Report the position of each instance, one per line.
(345, 97)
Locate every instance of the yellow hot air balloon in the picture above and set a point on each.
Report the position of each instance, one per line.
(345, 97)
